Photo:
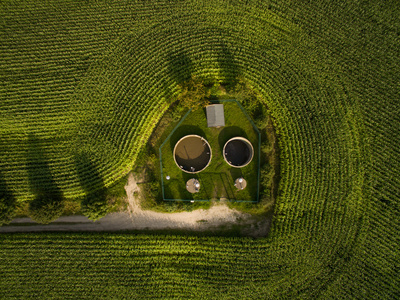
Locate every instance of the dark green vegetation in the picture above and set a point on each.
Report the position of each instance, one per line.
(94, 78)
(48, 203)
(194, 94)
(7, 203)
(218, 178)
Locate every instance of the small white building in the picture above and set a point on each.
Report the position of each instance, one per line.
(215, 115)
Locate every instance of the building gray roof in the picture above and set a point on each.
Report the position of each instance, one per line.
(215, 115)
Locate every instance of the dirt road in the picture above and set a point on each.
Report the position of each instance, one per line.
(217, 216)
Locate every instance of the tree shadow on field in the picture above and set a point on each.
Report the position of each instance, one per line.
(180, 66)
(7, 202)
(229, 132)
(95, 203)
(48, 202)
(230, 70)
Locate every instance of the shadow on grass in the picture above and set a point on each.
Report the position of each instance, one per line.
(39, 174)
(48, 202)
(183, 130)
(94, 204)
(229, 132)
(179, 66)
(227, 184)
(235, 173)
(7, 203)
(206, 179)
(230, 70)
(177, 193)
(89, 178)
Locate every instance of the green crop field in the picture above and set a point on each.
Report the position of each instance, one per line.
(84, 83)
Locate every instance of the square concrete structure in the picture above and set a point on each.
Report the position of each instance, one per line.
(215, 115)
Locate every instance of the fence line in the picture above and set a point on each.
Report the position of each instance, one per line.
(258, 156)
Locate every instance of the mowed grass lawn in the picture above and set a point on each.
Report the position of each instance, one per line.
(217, 180)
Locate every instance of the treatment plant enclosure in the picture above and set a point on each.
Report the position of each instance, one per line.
(217, 179)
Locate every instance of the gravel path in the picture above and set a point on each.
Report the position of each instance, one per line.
(137, 219)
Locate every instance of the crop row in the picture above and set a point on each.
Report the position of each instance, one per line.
(175, 264)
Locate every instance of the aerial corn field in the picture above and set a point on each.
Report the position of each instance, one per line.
(93, 78)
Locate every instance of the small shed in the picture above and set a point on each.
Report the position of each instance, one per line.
(215, 115)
